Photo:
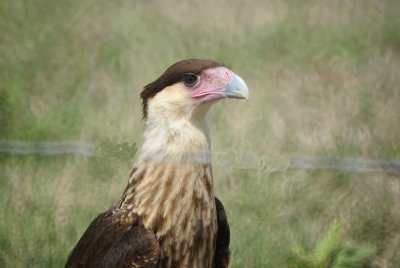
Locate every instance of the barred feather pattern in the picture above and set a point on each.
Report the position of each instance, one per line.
(171, 185)
(177, 203)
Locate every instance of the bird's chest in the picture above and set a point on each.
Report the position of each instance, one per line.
(189, 246)
(179, 206)
(187, 233)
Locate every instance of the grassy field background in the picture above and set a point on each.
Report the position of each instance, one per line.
(324, 78)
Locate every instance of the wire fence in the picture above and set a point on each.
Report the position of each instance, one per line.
(229, 159)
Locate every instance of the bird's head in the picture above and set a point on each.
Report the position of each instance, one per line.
(189, 87)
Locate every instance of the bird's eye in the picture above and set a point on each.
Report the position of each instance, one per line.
(190, 79)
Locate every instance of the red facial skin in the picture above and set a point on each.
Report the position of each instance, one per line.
(211, 84)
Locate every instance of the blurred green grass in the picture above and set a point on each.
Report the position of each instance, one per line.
(324, 79)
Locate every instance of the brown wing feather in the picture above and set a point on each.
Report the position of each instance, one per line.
(102, 234)
(138, 247)
(96, 234)
(222, 253)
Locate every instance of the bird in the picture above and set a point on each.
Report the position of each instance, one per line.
(168, 215)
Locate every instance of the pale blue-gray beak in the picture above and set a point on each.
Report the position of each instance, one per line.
(236, 88)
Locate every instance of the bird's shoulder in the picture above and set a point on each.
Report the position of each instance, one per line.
(222, 252)
(106, 231)
(138, 247)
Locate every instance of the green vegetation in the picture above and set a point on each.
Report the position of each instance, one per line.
(332, 251)
(324, 79)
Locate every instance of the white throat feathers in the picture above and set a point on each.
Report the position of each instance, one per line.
(176, 131)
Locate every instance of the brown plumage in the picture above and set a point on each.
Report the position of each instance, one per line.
(168, 215)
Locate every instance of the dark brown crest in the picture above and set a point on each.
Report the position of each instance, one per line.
(173, 75)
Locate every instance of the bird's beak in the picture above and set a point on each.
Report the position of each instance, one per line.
(236, 88)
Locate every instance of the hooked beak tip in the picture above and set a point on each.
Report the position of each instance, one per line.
(237, 88)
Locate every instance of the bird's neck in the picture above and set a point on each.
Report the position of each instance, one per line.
(175, 138)
(175, 153)
(171, 187)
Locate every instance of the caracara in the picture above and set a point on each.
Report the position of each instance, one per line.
(168, 215)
